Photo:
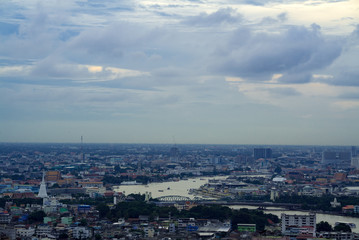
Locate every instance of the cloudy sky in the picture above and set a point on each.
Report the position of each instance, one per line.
(184, 71)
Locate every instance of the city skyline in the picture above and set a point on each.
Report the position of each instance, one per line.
(188, 71)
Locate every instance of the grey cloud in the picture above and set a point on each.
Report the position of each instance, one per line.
(349, 77)
(345, 69)
(294, 51)
(354, 96)
(282, 16)
(267, 2)
(96, 7)
(283, 92)
(296, 78)
(224, 15)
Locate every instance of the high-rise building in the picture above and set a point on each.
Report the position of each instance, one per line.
(174, 154)
(355, 162)
(354, 151)
(337, 158)
(294, 225)
(262, 153)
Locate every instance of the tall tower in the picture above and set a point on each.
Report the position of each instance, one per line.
(42, 191)
(82, 150)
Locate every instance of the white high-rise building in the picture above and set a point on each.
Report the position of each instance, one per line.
(355, 162)
(294, 225)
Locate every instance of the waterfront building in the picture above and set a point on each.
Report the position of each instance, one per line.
(294, 225)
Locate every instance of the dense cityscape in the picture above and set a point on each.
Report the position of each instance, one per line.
(181, 119)
(154, 191)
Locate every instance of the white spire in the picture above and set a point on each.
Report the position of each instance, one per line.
(42, 191)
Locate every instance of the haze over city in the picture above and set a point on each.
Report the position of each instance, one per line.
(186, 71)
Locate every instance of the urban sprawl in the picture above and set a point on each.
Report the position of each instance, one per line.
(75, 191)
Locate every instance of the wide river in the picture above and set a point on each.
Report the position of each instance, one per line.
(180, 188)
(183, 186)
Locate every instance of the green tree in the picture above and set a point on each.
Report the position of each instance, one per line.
(342, 227)
(278, 170)
(324, 227)
(103, 209)
(37, 216)
(63, 236)
(83, 222)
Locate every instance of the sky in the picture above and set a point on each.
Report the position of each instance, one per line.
(180, 71)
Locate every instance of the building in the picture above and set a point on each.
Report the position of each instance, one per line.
(335, 203)
(294, 225)
(355, 162)
(262, 153)
(336, 235)
(174, 154)
(91, 184)
(354, 151)
(43, 230)
(42, 191)
(81, 233)
(53, 176)
(23, 231)
(5, 217)
(336, 158)
(246, 227)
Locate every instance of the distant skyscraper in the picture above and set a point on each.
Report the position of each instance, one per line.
(337, 158)
(174, 154)
(355, 162)
(262, 153)
(354, 151)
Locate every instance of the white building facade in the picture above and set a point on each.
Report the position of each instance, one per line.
(293, 225)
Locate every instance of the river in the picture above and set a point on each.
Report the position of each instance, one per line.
(182, 187)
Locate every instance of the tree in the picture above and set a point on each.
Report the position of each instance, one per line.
(324, 227)
(103, 209)
(83, 222)
(278, 170)
(37, 216)
(342, 227)
(63, 236)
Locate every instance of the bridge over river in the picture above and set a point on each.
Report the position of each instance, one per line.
(173, 198)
